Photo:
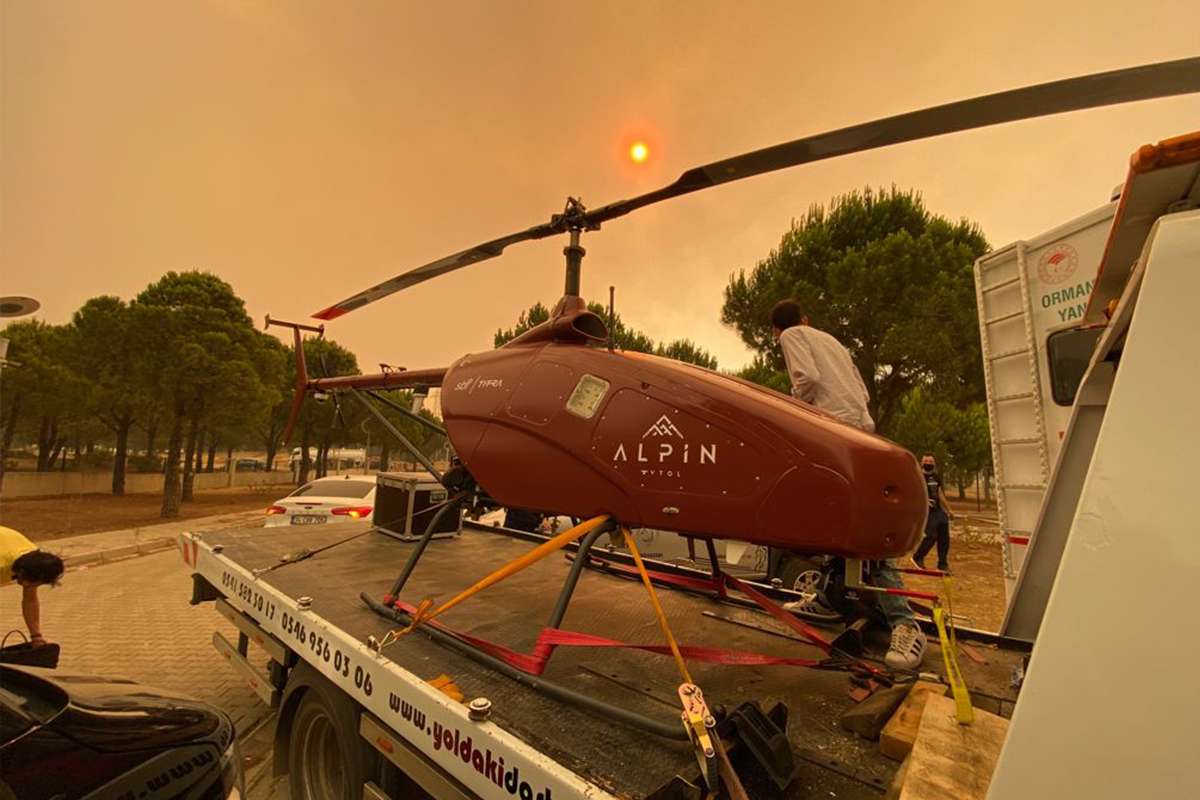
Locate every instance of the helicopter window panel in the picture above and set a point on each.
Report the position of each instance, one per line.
(587, 396)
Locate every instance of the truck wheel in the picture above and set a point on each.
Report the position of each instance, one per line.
(326, 758)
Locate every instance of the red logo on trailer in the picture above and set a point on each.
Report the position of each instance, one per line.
(1058, 263)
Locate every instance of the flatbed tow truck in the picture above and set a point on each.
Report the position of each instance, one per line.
(316, 628)
(418, 718)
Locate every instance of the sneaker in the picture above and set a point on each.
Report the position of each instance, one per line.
(917, 563)
(814, 607)
(908, 647)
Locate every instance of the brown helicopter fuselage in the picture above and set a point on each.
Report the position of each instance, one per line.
(567, 428)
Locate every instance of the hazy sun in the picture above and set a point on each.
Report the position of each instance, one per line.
(638, 152)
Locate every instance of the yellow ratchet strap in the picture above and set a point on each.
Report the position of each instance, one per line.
(943, 618)
(658, 612)
(697, 719)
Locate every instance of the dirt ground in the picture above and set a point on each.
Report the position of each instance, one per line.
(978, 589)
(47, 518)
(976, 565)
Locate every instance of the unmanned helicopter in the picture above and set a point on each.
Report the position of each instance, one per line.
(657, 443)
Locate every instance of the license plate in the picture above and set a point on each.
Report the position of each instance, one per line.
(307, 519)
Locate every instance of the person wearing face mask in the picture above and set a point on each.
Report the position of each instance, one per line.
(937, 524)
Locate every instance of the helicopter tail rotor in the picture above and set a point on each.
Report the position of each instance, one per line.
(301, 370)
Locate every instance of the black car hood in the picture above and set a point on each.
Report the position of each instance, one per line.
(110, 738)
(118, 715)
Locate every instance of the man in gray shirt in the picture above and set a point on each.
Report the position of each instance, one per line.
(823, 375)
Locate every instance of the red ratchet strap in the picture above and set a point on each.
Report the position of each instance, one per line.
(807, 631)
(778, 612)
(667, 578)
(719, 584)
(550, 638)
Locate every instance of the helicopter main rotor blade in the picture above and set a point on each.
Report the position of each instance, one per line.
(1165, 79)
(433, 269)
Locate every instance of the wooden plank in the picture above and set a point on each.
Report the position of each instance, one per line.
(868, 717)
(897, 785)
(896, 739)
(951, 761)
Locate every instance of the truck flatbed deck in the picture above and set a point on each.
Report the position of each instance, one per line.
(605, 757)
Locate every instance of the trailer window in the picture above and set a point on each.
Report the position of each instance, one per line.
(1069, 353)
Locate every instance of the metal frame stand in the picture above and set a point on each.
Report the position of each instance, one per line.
(568, 590)
(422, 543)
(717, 576)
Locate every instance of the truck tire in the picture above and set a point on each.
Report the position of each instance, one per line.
(327, 759)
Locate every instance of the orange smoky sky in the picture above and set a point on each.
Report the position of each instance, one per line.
(306, 150)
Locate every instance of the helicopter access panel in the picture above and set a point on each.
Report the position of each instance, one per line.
(538, 746)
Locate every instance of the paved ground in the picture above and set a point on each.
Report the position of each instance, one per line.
(132, 619)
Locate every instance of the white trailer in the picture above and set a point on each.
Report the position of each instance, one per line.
(1027, 292)
(1110, 579)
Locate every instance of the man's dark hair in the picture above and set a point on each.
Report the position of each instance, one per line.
(38, 567)
(786, 314)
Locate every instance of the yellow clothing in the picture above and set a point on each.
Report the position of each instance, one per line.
(12, 546)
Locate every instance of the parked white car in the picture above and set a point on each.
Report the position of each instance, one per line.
(340, 499)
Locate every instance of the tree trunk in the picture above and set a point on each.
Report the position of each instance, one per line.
(323, 459)
(305, 461)
(189, 462)
(53, 447)
(212, 454)
(60, 449)
(151, 435)
(962, 487)
(200, 437)
(10, 427)
(170, 504)
(385, 453)
(47, 436)
(272, 445)
(118, 475)
(43, 430)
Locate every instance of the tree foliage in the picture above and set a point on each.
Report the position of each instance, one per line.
(182, 359)
(889, 280)
(322, 424)
(44, 400)
(393, 453)
(624, 337)
(958, 438)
